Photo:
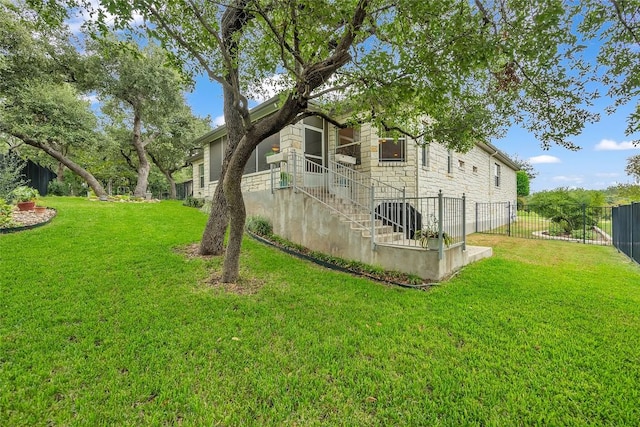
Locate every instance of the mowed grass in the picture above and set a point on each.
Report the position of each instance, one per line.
(103, 322)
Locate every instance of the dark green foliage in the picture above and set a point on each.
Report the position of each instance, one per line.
(260, 226)
(568, 209)
(57, 188)
(10, 173)
(622, 194)
(522, 183)
(193, 202)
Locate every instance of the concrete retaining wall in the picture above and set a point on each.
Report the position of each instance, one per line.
(305, 221)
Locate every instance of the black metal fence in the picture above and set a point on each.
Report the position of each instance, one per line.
(626, 230)
(568, 222)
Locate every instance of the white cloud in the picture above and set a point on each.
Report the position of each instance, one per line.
(611, 145)
(569, 179)
(545, 158)
(218, 121)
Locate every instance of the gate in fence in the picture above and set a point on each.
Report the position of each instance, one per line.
(568, 222)
(626, 230)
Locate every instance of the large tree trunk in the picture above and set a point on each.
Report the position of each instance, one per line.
(168, 174)
(236, 210)
(60, 172)
(143, 163)
(73, 167)
(213, 236)
(233, 21)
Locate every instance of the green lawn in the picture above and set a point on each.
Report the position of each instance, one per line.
(103, 322)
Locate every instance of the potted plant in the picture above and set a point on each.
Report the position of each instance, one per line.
(285, 179)
(428, 236)
(25, 197)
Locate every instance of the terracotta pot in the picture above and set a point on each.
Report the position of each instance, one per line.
(40, 209)
(26, 206)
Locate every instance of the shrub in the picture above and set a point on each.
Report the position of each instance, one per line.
(24, 194)
(10, 173)
(259, 225)
(57, 188)
(193, 202)
(5, 214)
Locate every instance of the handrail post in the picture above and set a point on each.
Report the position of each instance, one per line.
(271, 176)
(295, 172)
(405, 226)
(440, 225)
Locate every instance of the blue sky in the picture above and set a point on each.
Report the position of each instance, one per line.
(599, 164)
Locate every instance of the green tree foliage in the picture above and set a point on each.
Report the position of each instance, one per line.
(11, 176)
(142, 98)
(616, 23)
(633, 167)
(472, 68)
(568, 208)
(622, 194)
(524, 165)
(522, 183)
(39, 104)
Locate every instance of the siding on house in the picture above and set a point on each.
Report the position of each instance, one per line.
(472, 173)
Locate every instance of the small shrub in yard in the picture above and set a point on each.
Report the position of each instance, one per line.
(5, 214)
(260, 226)
(193, 202)
(57, 188)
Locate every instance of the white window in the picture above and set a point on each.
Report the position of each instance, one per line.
(425, 155)
(497, 174)
(201, 174)
(392, 149)
(349, 143)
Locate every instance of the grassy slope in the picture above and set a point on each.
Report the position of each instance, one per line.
(101, 322)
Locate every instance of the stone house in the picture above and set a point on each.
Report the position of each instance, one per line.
(354, 193)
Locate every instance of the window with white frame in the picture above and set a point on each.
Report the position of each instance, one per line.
(201, 174)
(392, 149)
(349, 143)
(216, 152)
(496, 174)
(449, 161)
(425, 155)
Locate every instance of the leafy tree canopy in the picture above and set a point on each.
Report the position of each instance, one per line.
(633, 167)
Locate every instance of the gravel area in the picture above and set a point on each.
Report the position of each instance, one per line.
(25, 218)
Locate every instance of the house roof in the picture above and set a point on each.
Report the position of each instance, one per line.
(271, 106)
(500, 155)
(268, 107)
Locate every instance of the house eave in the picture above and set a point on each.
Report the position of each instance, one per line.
(266, 108)
(491, 149)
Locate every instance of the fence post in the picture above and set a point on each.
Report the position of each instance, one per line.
(373, 218)
(440, 225)
(464, 222)
(477, 217)
(509, 218)
(584, 223)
